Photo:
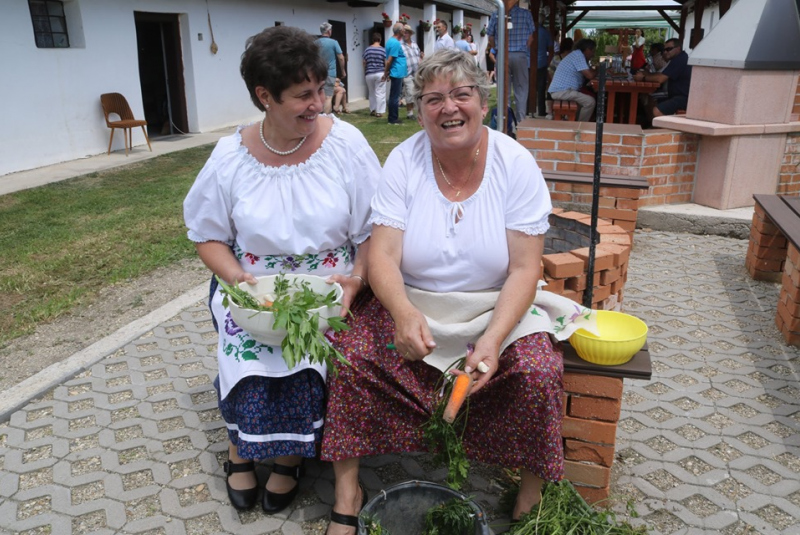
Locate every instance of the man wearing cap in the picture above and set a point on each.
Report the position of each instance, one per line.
(413, 57)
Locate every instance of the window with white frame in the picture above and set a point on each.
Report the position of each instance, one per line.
(49, 23)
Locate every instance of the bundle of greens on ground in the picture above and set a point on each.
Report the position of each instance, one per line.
(563, 511)
(293, 301)
(443, 431)
(373, 525)
(453, 517)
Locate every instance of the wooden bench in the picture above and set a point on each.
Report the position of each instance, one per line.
(592, 406)
(565, 110)
(773, 254)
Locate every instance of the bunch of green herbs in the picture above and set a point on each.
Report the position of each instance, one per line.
(373, 526)
(562, 511)
(453, 517)
(445, 439)
(292, 307)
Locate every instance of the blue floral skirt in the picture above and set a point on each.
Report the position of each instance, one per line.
(269, 417)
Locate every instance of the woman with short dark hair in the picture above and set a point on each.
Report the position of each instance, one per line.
(288, 193)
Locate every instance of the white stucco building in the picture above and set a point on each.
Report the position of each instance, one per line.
(58, 57)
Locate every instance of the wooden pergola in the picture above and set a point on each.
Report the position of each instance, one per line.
(667, 12)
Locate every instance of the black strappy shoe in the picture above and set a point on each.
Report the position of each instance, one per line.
(273, 502)
(349, 520)
(240, 499)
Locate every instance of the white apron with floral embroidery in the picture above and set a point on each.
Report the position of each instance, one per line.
(457, 317)
(238, 354)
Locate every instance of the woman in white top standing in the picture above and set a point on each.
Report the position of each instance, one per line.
(289, 193)
(460, 208)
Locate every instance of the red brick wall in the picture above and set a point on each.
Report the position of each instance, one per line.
(666, 158)
(796, 106)
(789, 177)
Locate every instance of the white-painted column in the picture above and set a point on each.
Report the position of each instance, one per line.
(391, 8)
(458, 20)
(429, 15)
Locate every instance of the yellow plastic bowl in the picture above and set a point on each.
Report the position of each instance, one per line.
(621, 337)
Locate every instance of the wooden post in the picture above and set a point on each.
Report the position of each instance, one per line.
(697, 31)
(724, 6)
(682, 32)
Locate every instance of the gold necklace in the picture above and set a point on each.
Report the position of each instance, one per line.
(469, 177)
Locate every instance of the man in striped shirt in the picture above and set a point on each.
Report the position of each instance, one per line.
(571, 75)
(520, 39)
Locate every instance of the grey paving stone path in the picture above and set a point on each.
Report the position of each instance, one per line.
(135, 444)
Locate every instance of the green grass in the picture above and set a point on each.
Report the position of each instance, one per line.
(63, 242)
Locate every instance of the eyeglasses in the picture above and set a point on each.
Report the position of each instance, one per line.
(459, 95)
(669, 49)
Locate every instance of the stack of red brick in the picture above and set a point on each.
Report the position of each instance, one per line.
(591, 410)
(620, 206)
(771, 257)
(565, 272)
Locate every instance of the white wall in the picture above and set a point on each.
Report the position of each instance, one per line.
(51, 97)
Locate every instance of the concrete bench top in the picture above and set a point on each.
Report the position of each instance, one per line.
(708, 128)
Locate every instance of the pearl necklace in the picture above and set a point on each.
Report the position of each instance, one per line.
(469, 177)
(278, 152)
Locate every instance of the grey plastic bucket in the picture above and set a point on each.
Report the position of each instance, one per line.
(401, 508)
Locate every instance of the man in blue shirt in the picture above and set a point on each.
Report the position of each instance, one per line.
(679, 74)
(331, 52)
(520, 39)
(395, 71)
(545, 43)
(571, 75)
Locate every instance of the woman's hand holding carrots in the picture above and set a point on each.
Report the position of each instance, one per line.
(412, 337)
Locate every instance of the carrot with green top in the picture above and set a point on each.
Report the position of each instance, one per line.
(461, 387)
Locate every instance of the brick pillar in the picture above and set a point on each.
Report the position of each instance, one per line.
(787, 319)
(591, 412)
(767, 249)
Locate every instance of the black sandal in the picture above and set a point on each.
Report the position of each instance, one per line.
(273, 502)
(245, 499)
(349, 520)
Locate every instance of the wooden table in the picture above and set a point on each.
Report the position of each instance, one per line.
(626, 90)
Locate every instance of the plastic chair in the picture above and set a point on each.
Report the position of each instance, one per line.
(116, 103)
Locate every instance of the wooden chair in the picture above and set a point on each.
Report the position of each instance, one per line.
(116, 103)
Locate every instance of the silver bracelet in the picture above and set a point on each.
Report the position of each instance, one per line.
(359, 277)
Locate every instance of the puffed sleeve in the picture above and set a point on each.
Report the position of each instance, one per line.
(367, 172)
(389, 204)
(208, 206)
(528, 202)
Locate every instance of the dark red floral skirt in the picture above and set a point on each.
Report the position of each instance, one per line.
(379, 403)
